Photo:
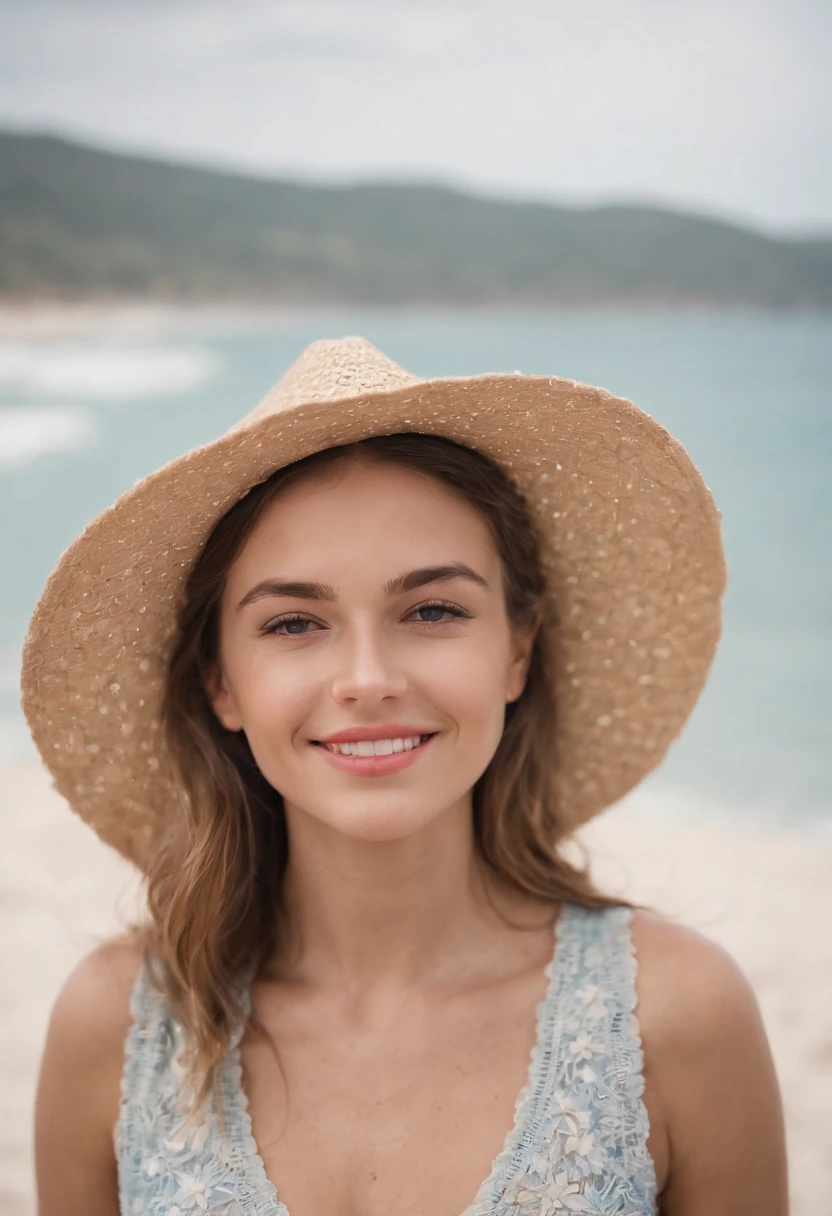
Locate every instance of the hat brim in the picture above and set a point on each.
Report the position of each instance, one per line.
(632, 557)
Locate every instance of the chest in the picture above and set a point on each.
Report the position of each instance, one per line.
(406, 1109)
(398, 1113)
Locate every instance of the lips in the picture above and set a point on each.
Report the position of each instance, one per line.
(375, 766)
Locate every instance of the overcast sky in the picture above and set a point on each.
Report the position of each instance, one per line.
(721, 105)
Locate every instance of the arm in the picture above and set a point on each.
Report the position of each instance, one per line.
(78, 1094)
(712, 1077)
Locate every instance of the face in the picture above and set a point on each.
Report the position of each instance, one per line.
(336, 617)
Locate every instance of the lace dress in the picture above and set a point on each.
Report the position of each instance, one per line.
(579, 1139)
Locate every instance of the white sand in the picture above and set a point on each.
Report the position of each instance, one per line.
(766, 897)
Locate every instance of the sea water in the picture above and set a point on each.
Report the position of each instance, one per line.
(83, 417)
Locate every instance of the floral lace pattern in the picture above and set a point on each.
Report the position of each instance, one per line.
(578, 1143)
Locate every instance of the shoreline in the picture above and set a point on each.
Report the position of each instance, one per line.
(766, 896)
(30, 319)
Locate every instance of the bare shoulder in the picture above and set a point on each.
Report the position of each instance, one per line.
(78, 1094)
(689, 985)
(91, 1013)
(715, 1096)
(95, 997)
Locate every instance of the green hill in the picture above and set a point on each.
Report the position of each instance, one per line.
(77, 221)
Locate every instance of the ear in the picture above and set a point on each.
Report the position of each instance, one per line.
(221, 698)
(519, 666)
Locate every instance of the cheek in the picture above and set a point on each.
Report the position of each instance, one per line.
(274, 707)
(467, 683)
(272, 695)
(479, 663)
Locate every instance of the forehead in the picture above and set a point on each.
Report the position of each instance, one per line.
(370, 515)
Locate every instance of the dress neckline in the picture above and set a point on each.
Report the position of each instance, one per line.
(264, 1191)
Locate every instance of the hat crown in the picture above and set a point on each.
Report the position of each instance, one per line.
(334, 369)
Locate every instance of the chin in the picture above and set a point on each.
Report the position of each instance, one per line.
(376, 826)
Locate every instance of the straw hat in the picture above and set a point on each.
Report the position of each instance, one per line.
(632, 557)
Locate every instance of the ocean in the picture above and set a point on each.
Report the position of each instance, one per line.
(83, 416)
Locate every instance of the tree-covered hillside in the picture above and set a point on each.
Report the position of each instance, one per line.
(77, 221)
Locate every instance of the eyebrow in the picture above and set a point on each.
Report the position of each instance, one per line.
(394, 586)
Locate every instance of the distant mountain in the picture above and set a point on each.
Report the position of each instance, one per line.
(77, 221)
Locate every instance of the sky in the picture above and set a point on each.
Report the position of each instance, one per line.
(720, 106)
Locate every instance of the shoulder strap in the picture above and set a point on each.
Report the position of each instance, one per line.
(151, 1073)
(589, 1133)
(600, 1058)
(146, 1040)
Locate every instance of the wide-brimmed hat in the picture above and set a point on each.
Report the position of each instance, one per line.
(631, 550)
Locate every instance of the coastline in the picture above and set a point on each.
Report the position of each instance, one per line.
(765, 895)
(131, 317)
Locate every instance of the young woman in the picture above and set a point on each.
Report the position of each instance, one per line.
(341, 683)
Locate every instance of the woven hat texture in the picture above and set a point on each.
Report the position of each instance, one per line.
(632, 557)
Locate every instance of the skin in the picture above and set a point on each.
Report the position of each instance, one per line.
(398, 974)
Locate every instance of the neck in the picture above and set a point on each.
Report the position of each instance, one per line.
(388, 915)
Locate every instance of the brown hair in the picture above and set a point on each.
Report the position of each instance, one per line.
(214, 885)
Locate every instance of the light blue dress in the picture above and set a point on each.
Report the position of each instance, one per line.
(579, 1139)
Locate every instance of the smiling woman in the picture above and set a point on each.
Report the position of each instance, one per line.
(380, 682)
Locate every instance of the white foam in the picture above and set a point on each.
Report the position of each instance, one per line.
(97, 371)
(26, 434)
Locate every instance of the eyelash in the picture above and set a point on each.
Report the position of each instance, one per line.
(272, 626)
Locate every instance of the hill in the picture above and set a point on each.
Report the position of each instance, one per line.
(78, 221)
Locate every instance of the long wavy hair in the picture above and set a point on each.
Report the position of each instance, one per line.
(215, 882)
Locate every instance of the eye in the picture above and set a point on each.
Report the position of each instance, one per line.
(295, 619)
(437, 607)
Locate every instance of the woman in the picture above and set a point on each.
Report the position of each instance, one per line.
(341, 683)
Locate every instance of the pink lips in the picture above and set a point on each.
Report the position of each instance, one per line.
(374, 766)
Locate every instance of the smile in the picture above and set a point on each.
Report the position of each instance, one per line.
(375, 757)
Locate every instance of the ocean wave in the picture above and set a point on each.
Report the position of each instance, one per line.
(26, 434)
(103, 371)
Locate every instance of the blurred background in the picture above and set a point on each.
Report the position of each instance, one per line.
(632, 194)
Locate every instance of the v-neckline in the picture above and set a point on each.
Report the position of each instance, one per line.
(252, 1167)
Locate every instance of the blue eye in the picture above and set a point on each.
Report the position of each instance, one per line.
(274, 626)
(296, 618)
(440, 608)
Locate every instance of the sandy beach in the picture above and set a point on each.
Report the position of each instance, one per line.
(767, 897)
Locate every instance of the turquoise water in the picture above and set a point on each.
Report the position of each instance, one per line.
(748, 395)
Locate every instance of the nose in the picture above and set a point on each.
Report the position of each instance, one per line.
(368, 669)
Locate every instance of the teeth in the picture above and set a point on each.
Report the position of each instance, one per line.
(377, 747)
